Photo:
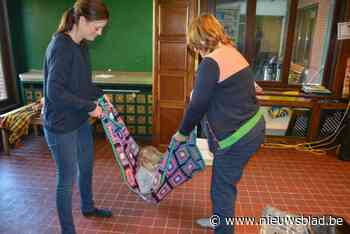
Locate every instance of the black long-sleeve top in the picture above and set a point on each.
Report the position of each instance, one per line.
(68, 89)
(224, 92)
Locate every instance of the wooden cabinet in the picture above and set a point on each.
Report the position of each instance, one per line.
(173, 66)
(130, 93)
(311, 117)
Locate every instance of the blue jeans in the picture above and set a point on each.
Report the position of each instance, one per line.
(72, 152)
(228, 165)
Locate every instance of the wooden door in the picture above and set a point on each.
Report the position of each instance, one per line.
(173, 66)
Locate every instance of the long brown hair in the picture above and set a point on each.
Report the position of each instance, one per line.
(90, 9)
(205, 32)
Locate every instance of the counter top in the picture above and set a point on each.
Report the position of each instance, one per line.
(100, 77)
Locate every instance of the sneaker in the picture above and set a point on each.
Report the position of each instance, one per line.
(102, 213)
(205, 223)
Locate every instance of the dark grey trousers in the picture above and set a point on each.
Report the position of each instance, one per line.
(227, 170)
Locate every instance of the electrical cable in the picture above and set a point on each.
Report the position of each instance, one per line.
(319, 147)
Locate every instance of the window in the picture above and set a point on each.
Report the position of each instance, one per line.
(8, 90)
(291, 38)
(271, 23)
(304, 31)
(3, 92)
(310, 44)
(232, 15)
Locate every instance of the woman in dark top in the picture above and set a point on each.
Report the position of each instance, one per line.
(224, 93)
(70, 98)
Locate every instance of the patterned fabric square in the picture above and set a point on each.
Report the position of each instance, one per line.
(123, 158)
(132, 147)
(130, 176)
(179, 164)
(177, 179)
(172, 166)
(163, 191)
(182, 155)
(132, 159)
(189, 168)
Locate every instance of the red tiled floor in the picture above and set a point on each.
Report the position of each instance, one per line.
(293, 181)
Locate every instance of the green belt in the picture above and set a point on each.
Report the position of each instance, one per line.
(242, 131)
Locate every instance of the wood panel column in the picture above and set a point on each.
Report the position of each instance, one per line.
(173, 66)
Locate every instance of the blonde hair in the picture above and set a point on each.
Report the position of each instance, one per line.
(149, 157)
(206, 32)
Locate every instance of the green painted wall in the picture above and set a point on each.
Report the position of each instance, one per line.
(125, 45)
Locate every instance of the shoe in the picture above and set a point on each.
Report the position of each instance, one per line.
(205, 223)
(102, 213)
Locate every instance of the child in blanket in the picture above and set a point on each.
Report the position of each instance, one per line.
(149, 159)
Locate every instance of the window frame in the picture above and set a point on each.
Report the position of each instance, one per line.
(300, 25)
(331, 78)
(12, 101)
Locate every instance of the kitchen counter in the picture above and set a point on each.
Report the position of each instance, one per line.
(130, 93)
(100, 77)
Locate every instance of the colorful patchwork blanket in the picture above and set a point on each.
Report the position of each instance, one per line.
(180, 162)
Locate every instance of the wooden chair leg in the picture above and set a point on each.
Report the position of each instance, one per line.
(5, 142)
